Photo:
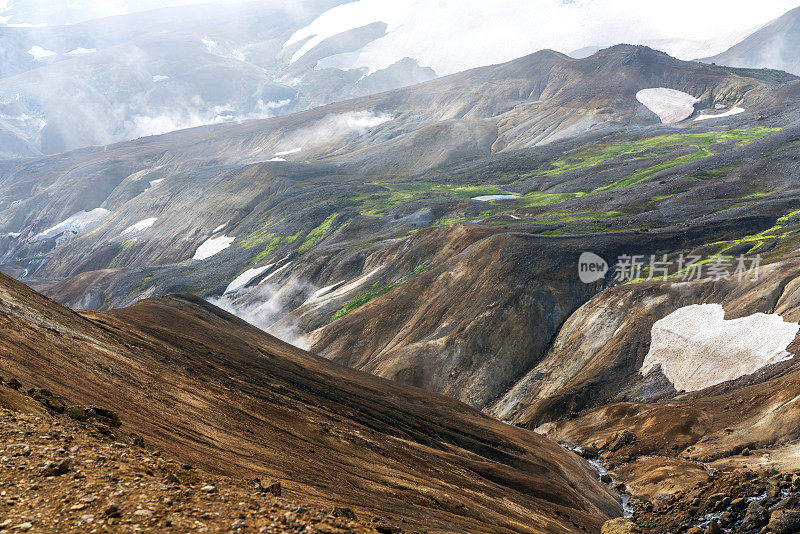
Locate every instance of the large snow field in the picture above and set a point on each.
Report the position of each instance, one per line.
(697, 348)
(670, 105)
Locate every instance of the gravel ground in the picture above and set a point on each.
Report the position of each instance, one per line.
(59, 475)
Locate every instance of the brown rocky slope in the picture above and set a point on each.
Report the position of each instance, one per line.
(212, 391)
(61, 475)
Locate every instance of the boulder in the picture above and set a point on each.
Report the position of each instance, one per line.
(274, 487)
(756, 517)
(55, 404)
(620, 525)
(54, 469)
(784, 522)
(345, 513)
(78, 413)
(103, 416)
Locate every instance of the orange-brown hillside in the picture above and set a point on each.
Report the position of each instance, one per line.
(210, 390)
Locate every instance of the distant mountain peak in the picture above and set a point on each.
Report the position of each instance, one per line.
(775, 46)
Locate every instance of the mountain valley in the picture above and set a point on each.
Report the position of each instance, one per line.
(555, 294)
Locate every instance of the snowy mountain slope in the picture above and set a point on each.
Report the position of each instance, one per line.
(775, 46)
(147, 73)
(453, 36)
(100, 81)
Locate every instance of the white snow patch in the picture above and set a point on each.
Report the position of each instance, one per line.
(140, 226)
(353, 284)
(276, 159)
(213, 246)
(488, 198)
(219, 228)
(210, 45)
(271, 275)
(325, 290)
(288, 152)
(81, 51)
(670, 105)
(697, 348)
(245, 278)
(729, 113)
(78, 222)
(40, 53)
(159, 78)
(14, 235)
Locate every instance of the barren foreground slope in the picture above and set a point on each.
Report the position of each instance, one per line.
(214, 392)
(62, 475)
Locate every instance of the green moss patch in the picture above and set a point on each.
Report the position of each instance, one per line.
(318, 234)
(375, 291)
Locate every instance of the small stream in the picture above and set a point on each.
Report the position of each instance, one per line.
(624, 498)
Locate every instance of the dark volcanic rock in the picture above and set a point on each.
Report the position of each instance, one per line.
(784, 522)
(755, 517)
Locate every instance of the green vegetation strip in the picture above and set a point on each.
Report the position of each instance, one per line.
(275, 243)
(700, 141)
(392, 194)
(318, 234)
(126, 245)
(755, 240)
(374, 292)
(645, 148)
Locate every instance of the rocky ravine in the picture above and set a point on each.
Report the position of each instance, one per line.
(679, 446)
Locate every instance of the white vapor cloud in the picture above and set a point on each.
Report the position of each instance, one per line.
(268, 305)
(35, 13)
